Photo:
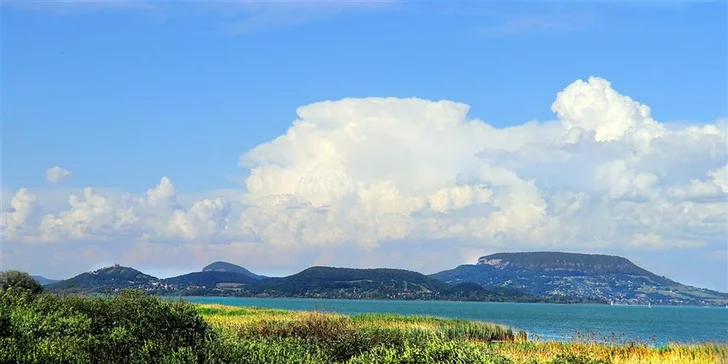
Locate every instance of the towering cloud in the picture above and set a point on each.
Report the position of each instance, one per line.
(21, 206)
(377, 175)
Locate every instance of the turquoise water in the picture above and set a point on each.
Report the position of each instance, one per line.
(659, 324)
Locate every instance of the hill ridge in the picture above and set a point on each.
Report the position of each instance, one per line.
(596, 276)
(44, 281)
(222, 266)
(522, 277)
(595, 263)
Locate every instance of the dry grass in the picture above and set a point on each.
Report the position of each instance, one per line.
(251, 323)
(544, 352)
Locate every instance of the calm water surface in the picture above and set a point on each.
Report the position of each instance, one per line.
(661, 324)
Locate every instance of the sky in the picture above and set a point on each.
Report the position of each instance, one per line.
(416, 135)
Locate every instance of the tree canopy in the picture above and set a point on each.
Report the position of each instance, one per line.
(16, 279)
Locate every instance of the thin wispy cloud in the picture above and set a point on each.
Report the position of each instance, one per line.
(252, 17)
(237, 17)
(537, 23)
(75, 7)
(240, 17)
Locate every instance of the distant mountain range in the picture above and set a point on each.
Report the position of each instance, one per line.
(603, 277)
(105, 280)
(516, 277)
(231, 268)
(44, 281)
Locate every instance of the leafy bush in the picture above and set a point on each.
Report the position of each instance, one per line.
(128, 328)
(132, 327)
(135, 328)
(15, 279)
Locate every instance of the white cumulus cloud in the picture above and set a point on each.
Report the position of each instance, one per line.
(377, 175)
(57, 174)
(21, 206)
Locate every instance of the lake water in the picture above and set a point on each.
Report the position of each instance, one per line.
(659, 324)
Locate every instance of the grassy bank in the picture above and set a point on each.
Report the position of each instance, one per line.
(387, 338)
(133, 327)
(252, 323)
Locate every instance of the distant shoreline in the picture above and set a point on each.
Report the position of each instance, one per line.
(391, 299)
(529, 277)
(438, 300)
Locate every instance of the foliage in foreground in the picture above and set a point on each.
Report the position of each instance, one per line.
(135, 328)
(19, 280)
(130, 328)
(341, 338)
(387, 338)
(597, 353)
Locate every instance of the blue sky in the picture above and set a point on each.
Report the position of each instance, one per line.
(139, 92)
(120, 94)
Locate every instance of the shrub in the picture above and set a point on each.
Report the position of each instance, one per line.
(20, 280)
(128, 328)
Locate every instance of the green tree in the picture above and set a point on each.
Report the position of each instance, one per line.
(17, 279)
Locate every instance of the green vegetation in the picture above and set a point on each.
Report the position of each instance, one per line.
(551, 277)
(106, 280)
(209, 279)
(231, 268)
(132, 327)
(589, 263)
(315, 282)
(44, 281)
(591, 277)
(327, 282)
(389, 338)
(19, 280)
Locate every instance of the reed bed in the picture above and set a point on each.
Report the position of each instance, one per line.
(250, 322)
(633, 353)
(390, 338)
